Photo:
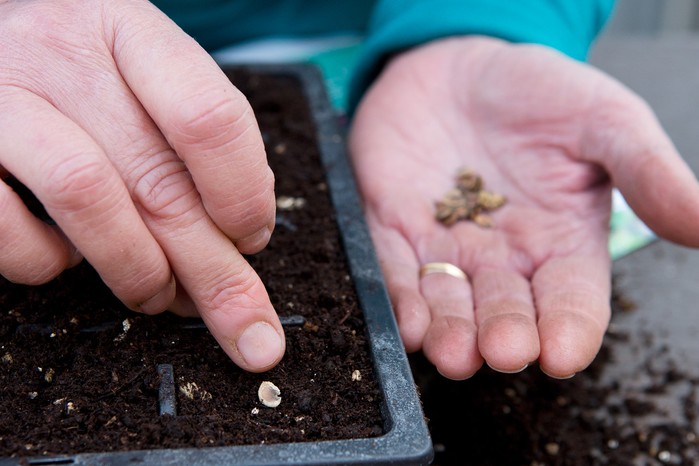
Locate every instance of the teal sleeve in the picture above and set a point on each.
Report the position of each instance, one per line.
(220, 23)
(569, 26)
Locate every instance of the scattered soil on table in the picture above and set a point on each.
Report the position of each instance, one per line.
(530, 419)
(78, 370)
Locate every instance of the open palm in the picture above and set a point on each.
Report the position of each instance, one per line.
(551, 134)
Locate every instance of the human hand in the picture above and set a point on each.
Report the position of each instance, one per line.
(551, 134)
(147, 158)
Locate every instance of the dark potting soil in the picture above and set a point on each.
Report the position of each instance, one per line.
(78, 370)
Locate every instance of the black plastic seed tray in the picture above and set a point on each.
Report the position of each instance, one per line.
(406, 440)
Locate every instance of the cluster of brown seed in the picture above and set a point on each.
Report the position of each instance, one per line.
(468, 201)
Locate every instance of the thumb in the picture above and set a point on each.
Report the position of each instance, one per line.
(625, 137)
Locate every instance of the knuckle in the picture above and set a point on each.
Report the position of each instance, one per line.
(76, 182)
(216, 116)
(49, 24)
(233, 291)
(166, 190)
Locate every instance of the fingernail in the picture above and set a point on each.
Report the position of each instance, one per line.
(458, 379)
(254, 242)
(260, 345)
(565, 377)
(260, 236)
(502, 371)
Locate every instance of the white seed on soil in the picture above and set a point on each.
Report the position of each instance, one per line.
(290, 203)
(125, 325)
(552, 448)
(192, 391)
(268, 393)
(356, 376)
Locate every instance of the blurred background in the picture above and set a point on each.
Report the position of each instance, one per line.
(656, 17)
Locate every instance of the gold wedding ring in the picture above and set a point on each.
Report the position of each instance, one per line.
(442, 267)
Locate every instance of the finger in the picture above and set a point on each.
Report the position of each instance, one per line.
(206, 120)
(82, 192)
(572, 296)
(216, 281)
(229, 295)
(399, 266)
(625, 137)
(508, 337)
(31, 252)
(451, 342)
